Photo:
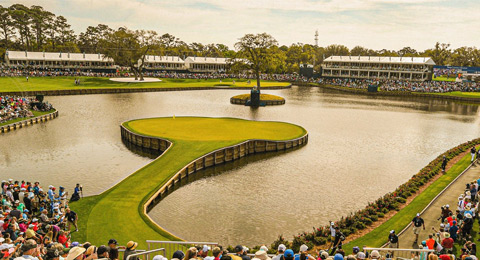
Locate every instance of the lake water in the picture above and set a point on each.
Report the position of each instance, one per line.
(359, 148)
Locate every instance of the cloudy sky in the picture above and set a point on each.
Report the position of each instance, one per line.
(376, 24)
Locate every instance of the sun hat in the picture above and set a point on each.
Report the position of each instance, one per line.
(361, 255)
(375, 254)
(131, 245)
(282, 248)
(303, 248)
(324, 254)
(75, 252)
(288, 253)
(264, 248)
(468, 215)
(447, 235)
(159, 257)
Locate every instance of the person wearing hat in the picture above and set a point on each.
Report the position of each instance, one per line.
(339, 238)
(192, 253)
(130, 250)
(289, 255)
(393, 240)
(71, 218)
(417, 223)
(203, 251)
(113, 249)
(303, 254)
(375, 255)
(239, 253)
(52, 254)
(360, 256)
(102, 252)
(261, 255)
(30, 250)
(75, 253)
(280, 250)
(447, 243)
(467, 225)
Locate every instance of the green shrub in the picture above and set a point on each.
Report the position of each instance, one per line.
(318, 241)
(380, 215)
(401, 200)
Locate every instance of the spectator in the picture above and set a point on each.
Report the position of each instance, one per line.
(447, 243)
(179, 255)
(281, 251)
(417, 224)
(76, 253)
(130, 250)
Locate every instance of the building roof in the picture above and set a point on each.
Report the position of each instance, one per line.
(163, 59)
(206, 60)
(55, 56)
(382, 59)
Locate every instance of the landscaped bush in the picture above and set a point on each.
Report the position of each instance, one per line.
(380, 215)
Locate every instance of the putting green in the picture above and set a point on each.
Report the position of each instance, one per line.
(11, 84)
(263, 97)
(118, 212)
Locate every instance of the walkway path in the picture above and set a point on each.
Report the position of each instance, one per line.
(431, 215)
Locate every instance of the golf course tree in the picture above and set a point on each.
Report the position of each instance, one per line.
(256, 52)
(128, 48)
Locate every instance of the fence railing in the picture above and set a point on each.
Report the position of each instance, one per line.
(400, 253)
(145, 255)
(171, 246)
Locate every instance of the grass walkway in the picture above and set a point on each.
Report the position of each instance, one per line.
(263, 97)
(10, 84)
(35, 114)
(118, 212)
(378, 236)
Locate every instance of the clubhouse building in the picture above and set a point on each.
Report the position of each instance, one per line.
(59, 60)
(163, 63)
(372, 67)
(206, 64)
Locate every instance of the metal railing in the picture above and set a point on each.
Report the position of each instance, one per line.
(399, 253)
(171, 246)
(145, 255)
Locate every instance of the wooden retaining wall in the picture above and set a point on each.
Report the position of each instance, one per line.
(118, 90)
(27, 122)
(391, 93)
(216, 157)
(238, 101)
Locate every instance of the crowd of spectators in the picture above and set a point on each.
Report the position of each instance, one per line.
(399, 85)
(13, 107)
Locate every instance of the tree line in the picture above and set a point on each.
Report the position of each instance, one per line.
(36, 29)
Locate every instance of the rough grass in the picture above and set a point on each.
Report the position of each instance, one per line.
(263, 97)
(378, 236)
(10, 84)
(118, 212)
(35, 114)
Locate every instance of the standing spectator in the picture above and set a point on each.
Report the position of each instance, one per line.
(473, 151)
(447, 243)
(444, 163)
(281, 250)
(453, 230)
(417, 224)
(130, 250)
(393, 239)
(71, 218)
(113, 249)
(339, 238)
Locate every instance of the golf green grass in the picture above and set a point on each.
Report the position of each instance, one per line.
(263, 97)
(378, 236)
(11, 84)
(35, 114)
(459, 94)
(118, 212)
(443, 78)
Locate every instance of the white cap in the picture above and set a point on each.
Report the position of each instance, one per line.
(418, 214)
(332, 224)
(282, 247)
(2, 239)
(50, 186)
(392, 231)
(264, 248)
(448, 206)
(206, 248)
(303, 248)
(10, 179)
(159, 257)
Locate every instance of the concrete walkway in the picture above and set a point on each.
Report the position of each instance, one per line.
(431, 215)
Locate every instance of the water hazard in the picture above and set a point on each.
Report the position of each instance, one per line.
(359, 148)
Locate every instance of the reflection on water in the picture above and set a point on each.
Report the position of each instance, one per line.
(360, 147)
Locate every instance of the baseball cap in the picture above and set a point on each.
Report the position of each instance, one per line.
(112, 241)
(178, 255)
(288, 253)
(238, 248)
(361, 255)
(355, 249)
(375, 254)
(205, 248)
(303, 248)
(282, 247)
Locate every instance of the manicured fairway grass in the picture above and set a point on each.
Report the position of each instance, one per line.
(118, 212)
(35, 114)
(378, 236)
(263, 97)
(9, 84)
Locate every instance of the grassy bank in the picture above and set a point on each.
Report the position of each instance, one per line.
(118, 212)
(35, 114)
(378, 236)
(459, 94)
(10, 84)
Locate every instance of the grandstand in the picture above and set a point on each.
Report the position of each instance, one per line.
(371, 67)
(206, 64)
(163, 63)
(58, 60)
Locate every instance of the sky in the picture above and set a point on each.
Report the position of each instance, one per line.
(375, 24)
